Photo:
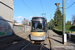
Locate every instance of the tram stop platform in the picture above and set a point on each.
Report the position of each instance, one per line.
(56, 42)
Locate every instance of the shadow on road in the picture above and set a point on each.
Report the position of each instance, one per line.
(9, 40)
(56, 40)
(57, 36)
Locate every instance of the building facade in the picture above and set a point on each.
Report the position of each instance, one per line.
(6, 17)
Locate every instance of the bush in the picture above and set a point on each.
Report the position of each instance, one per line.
(67, 27)
(58, 30)
(59, 27)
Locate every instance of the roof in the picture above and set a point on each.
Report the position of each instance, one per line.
(38, 17)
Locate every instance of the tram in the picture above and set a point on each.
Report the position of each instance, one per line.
(38, 29)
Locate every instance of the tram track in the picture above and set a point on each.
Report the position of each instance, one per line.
(37, 45)
(25, 46)
(42, 46)
(49, 43)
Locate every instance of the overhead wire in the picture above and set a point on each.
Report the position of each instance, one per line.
(43, 14)
(41, 5)
(70, 6)
(28, 7)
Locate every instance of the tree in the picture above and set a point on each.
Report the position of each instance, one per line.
(55, 20)
(15, 21)
(68, 23)
(51, 24)
(73, 20)
(48, 24)
(58, 18)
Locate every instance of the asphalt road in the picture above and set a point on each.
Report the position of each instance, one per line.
(24, 41)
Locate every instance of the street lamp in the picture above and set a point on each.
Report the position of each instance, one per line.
(64, 39)
(57, 4)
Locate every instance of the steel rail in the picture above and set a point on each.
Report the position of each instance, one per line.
(25, 46)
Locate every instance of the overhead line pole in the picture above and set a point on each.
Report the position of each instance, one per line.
(64, 35)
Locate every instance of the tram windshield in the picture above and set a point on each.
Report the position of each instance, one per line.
(37, 26)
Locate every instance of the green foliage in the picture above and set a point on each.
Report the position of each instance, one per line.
(68, 23)
(58, 18)
(67, 27)
(48, 24)
(59, 27)
(73, 22)
(51, 23)
(58, 30)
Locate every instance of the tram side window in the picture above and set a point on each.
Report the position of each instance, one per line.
(46, 25)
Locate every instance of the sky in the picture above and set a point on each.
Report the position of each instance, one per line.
(30, 8)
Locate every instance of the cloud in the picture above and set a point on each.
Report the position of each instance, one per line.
(30, 16)
(19, 17)
(19, 21)
(68, 1)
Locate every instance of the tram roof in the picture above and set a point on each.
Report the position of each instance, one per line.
(38, 17)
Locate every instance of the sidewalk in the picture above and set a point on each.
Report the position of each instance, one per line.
(56, 42)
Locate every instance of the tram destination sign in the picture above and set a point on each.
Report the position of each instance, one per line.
(37, 19)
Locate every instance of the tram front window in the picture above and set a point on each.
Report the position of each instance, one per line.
(37, 26)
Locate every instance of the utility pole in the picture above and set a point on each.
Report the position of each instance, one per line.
(64, 35)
